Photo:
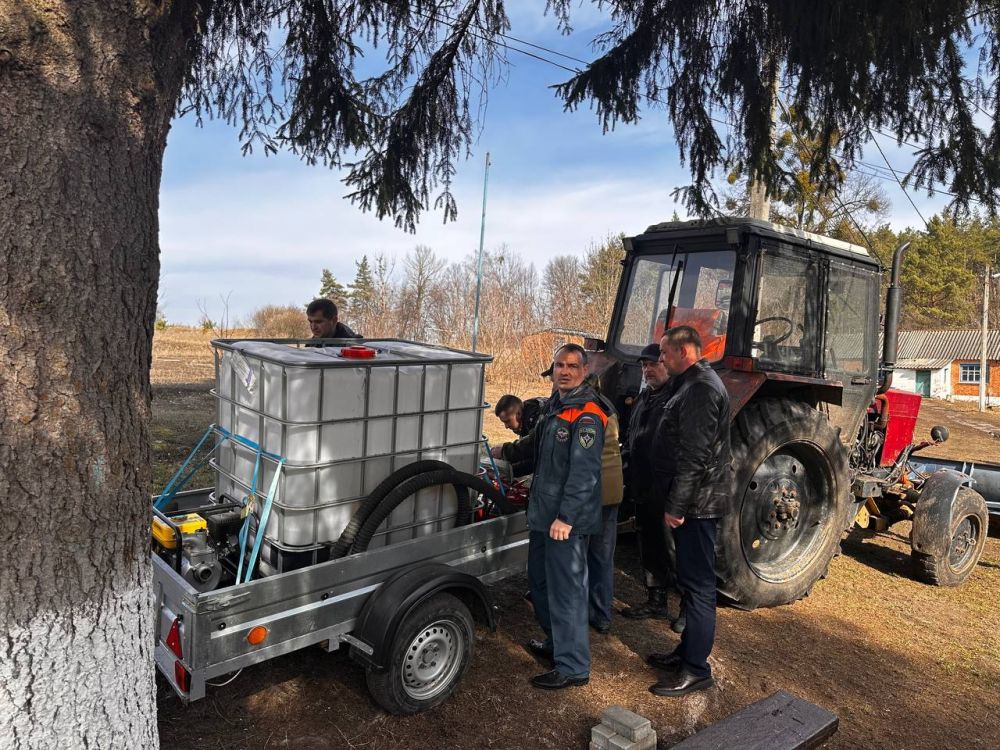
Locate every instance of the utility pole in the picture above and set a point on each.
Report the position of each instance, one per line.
(984, 365)
(479, 264)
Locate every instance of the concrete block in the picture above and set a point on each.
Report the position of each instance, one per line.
(629, 725)
(648, 742)
(601, 735)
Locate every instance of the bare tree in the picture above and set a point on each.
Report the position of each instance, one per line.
(563, 299)
(421, 271)
(602, 269)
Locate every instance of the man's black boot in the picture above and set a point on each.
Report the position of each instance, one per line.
(655, 606)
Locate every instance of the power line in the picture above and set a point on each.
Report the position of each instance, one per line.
(898, 181)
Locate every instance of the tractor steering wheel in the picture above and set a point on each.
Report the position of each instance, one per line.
(775, 340)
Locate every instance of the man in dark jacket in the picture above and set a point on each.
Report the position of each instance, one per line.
(520, 416)
(323, 321)
(564, 509)
(692, 469)
(656, 544)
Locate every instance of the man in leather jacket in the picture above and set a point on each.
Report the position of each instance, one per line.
(564, 509)
(656, 544)
(692, 470)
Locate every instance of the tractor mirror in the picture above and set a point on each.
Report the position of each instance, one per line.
(939, 433)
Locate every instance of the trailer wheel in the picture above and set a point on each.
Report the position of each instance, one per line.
(430, 655)
(969, 524)
(792, 504)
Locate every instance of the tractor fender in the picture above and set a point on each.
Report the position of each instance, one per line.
(932, 512)
(388, 606)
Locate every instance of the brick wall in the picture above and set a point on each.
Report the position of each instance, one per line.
(972, 389)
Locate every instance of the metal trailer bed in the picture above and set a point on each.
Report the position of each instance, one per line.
(321, 604)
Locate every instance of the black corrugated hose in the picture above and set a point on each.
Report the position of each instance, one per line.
(458, 479)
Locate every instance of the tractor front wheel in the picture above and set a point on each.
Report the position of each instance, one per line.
(967, 538)
(792, 504)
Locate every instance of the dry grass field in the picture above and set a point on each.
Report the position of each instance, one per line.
(902, 664)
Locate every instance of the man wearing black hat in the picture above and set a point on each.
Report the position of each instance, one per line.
(656, 547)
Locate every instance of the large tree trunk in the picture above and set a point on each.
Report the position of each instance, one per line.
(87, 88)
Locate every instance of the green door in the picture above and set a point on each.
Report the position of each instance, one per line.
(924, 382)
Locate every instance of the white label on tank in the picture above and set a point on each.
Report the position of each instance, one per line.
(245, 372)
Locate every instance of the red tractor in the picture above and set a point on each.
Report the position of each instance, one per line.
(791, 321)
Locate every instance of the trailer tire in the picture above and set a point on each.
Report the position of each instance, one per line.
(343, 544)
(968, 531)
(791, 504)
(430, 654)
(461, 481)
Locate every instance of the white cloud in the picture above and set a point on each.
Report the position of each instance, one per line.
(266, 236)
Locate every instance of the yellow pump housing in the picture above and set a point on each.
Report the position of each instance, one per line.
(188, 524)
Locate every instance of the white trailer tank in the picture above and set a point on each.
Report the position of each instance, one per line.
(344, 418)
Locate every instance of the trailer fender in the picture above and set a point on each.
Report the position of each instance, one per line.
(388, 606)
(932, 513)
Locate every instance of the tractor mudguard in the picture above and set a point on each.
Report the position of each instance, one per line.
(932, 512)
(389, 605)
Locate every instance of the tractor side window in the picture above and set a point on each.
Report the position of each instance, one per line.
(849, 320)
(693, 289)
(785, 330)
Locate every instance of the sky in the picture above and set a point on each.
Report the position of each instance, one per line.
(237, 233)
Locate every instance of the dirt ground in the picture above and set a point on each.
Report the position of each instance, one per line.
(902, 664)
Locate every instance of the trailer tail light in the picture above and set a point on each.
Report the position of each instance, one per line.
(174, 638)
(181, 676)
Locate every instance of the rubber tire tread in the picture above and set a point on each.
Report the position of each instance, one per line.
(343, 544)
(761, 428)
(401, 492)
(385, 686)
(935, 570)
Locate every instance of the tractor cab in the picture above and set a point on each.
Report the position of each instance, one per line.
(779, 310)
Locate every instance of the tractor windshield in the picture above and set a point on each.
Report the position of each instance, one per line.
(692, 289)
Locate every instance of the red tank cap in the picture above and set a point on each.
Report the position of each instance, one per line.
(358, 352)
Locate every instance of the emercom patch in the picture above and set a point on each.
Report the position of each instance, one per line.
(587, 436)
(562, 434)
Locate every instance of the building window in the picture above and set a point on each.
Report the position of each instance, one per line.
(968, 372)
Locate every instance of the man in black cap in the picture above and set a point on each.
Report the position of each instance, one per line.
(656, 546)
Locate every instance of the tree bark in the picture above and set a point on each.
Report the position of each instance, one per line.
(87, 89)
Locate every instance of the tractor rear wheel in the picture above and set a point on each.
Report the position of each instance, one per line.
(969, 525)
(792, 504)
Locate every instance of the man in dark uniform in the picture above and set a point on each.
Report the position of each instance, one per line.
(564, 509)
(656, 545)
(692, 469)
(323, 322)
(520, 416)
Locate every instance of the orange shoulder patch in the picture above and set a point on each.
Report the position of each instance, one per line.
(574, 413)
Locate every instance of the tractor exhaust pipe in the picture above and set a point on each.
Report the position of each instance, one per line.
(890, 336)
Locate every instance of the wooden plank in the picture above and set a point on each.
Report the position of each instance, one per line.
(779, 722)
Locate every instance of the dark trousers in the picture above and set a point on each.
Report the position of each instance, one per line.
(601, 566)
(656, 543)
(695, 542)
(557, 576)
